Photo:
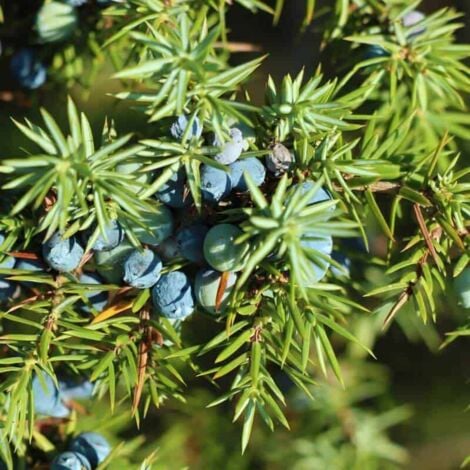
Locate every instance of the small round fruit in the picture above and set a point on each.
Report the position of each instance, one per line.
(345, 263)
(231, 150)
(47, 398)
(111, 238)
(462, 287)
(27, 69)
(142, 269)
(412, 18)
(375, 51)
(250, 165)
(133, 168)
(159, 226)
(206, 286)
(178, 128)
(70, 461)
(97, 300)
(279, 160)
(110, 264)
(93, 446)
(73, 389)
(316, 269)
(190, 242)
(169, 249)
(63, 255)
(215, 184)
(220, 249)
(172, 296)
(56, 21)
(173, 192)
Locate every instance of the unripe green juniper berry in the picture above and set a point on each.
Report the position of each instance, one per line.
(70, 461)
(374, 51)
(190, 241)
(93, 446)
(56, 21)
(215, 184)
(462, 288)
(172, 296)
(178, 128)
(279, 160)
(231, 150)
(63, 255)
(97, 300)
(206, 286)
(158, 226)
(142, 269)
(220, 250)
(250, 165)
(114, 236)
(27, 69)
(172, 193)
(47, 398)
(110, 264)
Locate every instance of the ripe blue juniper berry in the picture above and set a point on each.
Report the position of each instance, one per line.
(27, 69)
(178, 128)
(190, 241)
(111, 238)
(61, 254)
(142, 269)
(93, 446)
(250, 165)
(231, 150)
(215, 184)
(173, 296)
(157, 226)
(173, 192)
(70, 461)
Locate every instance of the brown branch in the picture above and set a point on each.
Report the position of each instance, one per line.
(144, 348)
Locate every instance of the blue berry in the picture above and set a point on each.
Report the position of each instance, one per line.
(253, 167)
(172, 193)
(2, 238)
(169, 249)
(7, 288)
(63, 255)
(32, 265)
(97, 300)
(375, 51)
(56, 21)
(279, 160)
(158, 226)
(462, 288)
(47, 398)
(93, 446)
(73, 389)
(206, 286)
(220, 249)
(178, 128)
(113, 236)
(76, 3)
(70, 461)
(345, 263)
(172, 296)
(412, 18)
(142, 269)
(27, 69)
(231, 150)
(215, 184)
(316, 269)
(190, 241)
(110, 264)
(321, 195)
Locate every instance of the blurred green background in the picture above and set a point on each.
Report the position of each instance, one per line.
(405, 410)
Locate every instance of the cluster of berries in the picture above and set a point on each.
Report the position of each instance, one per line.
(85, 451)
(55, 21)
(211, 254)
